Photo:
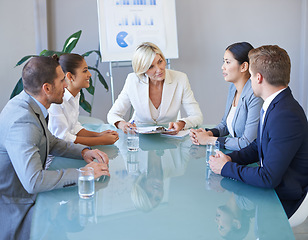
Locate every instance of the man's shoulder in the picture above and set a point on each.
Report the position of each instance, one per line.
(17, 109)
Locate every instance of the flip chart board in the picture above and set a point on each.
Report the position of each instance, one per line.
(124, 24)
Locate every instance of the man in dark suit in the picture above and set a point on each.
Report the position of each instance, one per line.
(282, 143)
(25, 143)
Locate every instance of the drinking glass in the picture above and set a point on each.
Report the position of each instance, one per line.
(86, 182)
(211, 149)
(132, 139)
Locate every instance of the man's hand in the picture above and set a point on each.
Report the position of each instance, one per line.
(100, 169)
(89, 155)
(218, 161)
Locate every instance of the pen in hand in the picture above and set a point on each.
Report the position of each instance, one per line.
(132, 123)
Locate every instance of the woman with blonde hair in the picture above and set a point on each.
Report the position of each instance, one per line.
(155, 93)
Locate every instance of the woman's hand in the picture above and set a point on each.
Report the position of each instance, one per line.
(108, 137)
(124, 125)
(177, 126)
(201, 136)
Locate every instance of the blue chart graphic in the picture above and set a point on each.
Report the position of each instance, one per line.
(120, 39)
(136, 21)
(136, 2)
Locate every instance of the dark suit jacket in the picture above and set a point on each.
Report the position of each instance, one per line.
(25, 143)
(284, 150)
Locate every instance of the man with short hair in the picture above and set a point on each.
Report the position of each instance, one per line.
(282, 142)
(25, 143)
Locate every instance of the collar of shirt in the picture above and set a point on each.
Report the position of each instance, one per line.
(43, 109)
(268, 101)
(67, 95)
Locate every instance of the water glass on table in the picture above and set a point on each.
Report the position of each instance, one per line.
(86, 182)
(211, 149)
(132, 139)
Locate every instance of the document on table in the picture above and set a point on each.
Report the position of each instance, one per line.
(154, 129)
(150, 130)
(180, 134)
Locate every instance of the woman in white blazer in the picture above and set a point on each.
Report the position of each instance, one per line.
(155, 93)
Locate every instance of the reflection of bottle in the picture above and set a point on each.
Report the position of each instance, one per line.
(132, 163)
(86, 211)
(208, 173)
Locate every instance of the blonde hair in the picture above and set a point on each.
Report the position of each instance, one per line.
(139, 196)
(143, 58)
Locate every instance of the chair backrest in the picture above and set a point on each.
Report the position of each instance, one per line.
(301, 214)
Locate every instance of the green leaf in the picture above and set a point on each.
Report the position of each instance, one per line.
(83, 103)
(93, 51)
(91, 88)
(100, 77)
(71, 42)
(18, 88)
(48, 53)
(21, 61)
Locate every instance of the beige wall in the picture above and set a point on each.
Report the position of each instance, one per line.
(205, 29)
(17, 39)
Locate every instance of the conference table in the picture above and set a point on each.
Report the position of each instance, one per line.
(165, 190)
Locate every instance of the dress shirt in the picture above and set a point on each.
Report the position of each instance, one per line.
(43, 109)
(63, 118)
(268, 101)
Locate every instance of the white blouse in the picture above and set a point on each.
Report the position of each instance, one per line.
(63, 118)
(230, 120)
(154, 111)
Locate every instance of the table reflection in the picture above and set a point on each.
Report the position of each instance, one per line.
(248, 207)
(163, 191)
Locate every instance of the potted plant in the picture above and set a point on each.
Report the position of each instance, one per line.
(69, 45)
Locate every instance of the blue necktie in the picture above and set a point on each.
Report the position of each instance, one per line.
(261, 128)
(261, 122)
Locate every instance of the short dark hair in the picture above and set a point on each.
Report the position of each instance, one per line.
(240, 51)
(273, 63)
(37, 71)
(70, 62)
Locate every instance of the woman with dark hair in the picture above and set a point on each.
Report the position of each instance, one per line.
(239, 124)
(63, 118)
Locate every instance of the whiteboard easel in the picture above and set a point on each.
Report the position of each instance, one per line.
(124, 24)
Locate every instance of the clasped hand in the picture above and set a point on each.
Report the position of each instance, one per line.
(218, 161)
(201, 136)
(100, 167)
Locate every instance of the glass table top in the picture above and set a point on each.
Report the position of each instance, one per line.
(163, 191)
